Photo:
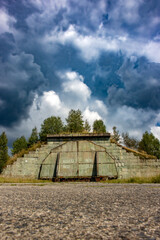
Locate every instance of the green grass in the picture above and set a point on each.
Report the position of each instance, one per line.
(153, 179)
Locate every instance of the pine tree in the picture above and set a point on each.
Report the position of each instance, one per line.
(75, 121)
(116, 135)
(19, 144)
(34, 137)
(3, 150)
(51, 125)
(65, 129)
(99, 127)
(87, 127)
(130, 142)
(150, 144)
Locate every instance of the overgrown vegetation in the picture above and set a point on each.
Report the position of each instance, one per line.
(150, 144)
(3, 151)
(12, 159)
(130, 142)
(142, 155)
(148, 147)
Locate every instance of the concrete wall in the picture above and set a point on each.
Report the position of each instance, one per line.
(78, 159)
(81, 159)
(129, 165)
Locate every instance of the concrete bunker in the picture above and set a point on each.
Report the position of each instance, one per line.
(78, 159)
(81, 157)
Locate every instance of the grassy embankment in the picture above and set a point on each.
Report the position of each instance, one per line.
(141, 155)
(155, 179)
(12, 159)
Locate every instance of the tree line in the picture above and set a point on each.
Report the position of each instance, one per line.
(148, 144)
(76, 124)
(51, 125)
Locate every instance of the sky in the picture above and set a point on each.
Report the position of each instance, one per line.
(99, 56)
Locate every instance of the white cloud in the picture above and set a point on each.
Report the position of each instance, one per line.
(6, 21)
(49, 5)
(48, 11)
(127, 10)
(128, 119)
(152, 51)
(91, 116)
(74, 91)
(156, 131)
(53, 104)
(101, 106)
(52, 99)
(91, 46)
(47, 105)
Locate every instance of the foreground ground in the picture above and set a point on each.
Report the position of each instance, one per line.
(80, 211)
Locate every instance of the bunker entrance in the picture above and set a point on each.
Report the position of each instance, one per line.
(80, 160)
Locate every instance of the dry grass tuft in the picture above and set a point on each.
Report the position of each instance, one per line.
(11, 160)
(142, 155)
(21, 180)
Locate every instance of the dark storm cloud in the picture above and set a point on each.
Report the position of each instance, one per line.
(86, 15)
(141, 89)
(29, 59)
(7, 45)
(20, 10)
(20, 79)
(105, 74)
(137, 18)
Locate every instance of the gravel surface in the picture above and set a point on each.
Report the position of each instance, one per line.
(80, 211)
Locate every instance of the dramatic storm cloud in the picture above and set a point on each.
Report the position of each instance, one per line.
(100, 56)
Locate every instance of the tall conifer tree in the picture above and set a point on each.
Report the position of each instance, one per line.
(87, 127)
(19, 144)
(75, 121)
(34, 137)
(3, 150)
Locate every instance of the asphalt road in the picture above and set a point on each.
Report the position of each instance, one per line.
(80, 211)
